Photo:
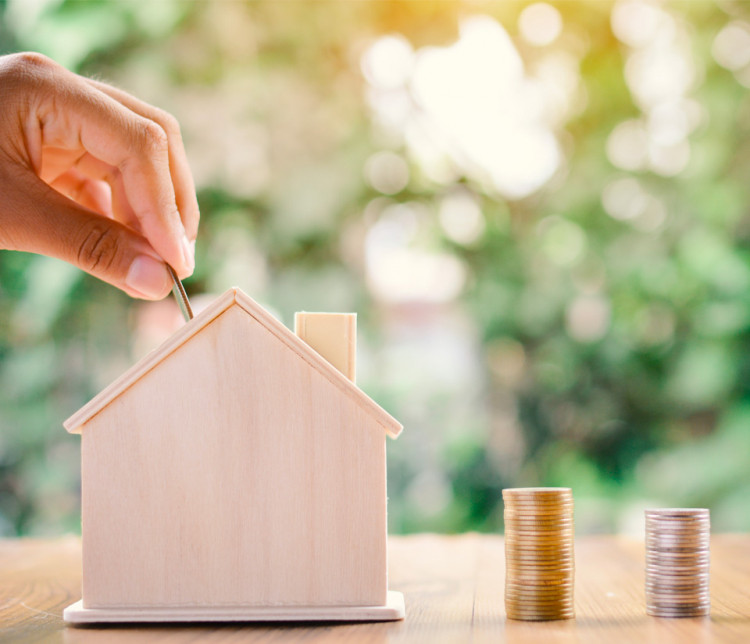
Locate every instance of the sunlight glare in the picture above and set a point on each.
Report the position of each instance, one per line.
(476, 93)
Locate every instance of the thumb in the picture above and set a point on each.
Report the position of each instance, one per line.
(36, 218)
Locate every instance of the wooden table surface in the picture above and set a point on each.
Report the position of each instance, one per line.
(453, 588)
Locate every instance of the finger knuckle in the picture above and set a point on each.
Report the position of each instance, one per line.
(153, 136)
(26, 67)
(98, 249)
(32, 60)
(169, 123)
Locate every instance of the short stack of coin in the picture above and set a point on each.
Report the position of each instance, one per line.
(539, 561)
(677, 562)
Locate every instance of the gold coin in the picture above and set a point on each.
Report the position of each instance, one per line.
(539, 514)
(542, 506)
(537, 582)
(538, 591)
(551, 498)
(533, 540)
(557, 531)
(548, 506)
(537, 491)
(537, 604)
(531, 577)
(517, 612)
(536, 616)
(534, 536)
(514, 534)
(536, 514)
(550, 558)
(559, 565)
(540, 618)
(521, 609)
(520, 596)
(566, 585)
(536, 521)
(542, 529)
(562, 536)
(547, 548)
(551, 555)
(533, 595)
(530, 572)
(547, 509)
(539, 612)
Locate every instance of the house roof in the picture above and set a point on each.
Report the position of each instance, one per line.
(232, 297)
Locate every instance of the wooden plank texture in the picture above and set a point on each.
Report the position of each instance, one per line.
(233, 475)
(453, 588)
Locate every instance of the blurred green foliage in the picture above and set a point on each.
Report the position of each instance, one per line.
(589, 346)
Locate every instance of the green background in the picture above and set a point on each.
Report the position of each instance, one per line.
(590, 332)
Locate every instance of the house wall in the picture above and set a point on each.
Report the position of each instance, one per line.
(233, 474)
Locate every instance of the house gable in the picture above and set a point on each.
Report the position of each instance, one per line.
(234, 297)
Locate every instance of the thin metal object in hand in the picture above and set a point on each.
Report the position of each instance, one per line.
(179, 293)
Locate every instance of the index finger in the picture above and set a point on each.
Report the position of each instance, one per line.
(182, 178)
(82, 116)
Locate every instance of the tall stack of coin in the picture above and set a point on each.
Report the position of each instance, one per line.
(677, 562)
(539, 562)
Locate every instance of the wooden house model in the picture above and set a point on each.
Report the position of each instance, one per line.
(236, 474)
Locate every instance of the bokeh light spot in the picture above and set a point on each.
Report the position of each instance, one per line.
(562, 240)
(623, 198)
(731, 47)
(387, 172)
(587, 318)
(627, 145)
(388, 62)
(461, 217)
(636, 23)
(540, 24)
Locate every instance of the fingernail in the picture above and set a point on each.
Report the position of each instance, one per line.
(188, 253)
(149, 277)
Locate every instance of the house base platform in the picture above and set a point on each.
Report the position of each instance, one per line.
(393, 610)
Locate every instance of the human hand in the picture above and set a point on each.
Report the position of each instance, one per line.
(93, 176)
